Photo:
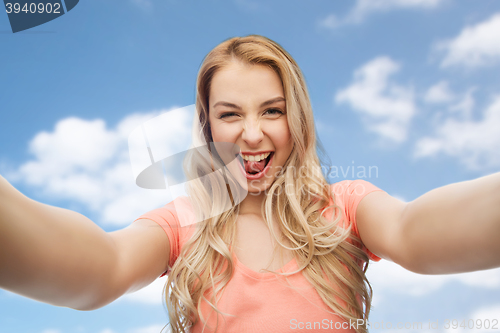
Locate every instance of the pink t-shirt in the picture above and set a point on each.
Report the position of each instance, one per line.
(264, 302)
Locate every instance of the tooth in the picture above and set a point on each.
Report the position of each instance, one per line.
(255, 158)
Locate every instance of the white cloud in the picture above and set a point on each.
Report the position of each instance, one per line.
(439, 93)
(330, 22)
(402, 281)
(487, 313)
(405, 282)
(480, 321)
(87, 163)
(484, 279)
(151, 329)
(151, 294)
(364, 8)
(475, 143)
(475, 46)
(464, 107)
(386, 107)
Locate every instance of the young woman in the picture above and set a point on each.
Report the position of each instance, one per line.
(294, 249)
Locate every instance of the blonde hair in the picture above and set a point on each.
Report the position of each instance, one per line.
(298, 202)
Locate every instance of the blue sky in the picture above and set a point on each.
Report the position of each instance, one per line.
(409, 88)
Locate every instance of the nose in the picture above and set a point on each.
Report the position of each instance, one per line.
(252, 133)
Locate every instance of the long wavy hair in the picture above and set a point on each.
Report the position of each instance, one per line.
(299, 201)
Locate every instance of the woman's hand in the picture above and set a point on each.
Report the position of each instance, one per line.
(452, 229)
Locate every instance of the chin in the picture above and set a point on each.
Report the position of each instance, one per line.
(257, 189)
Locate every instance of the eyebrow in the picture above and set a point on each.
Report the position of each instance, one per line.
(234, 106)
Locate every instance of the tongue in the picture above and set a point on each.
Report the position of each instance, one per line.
(255, 167)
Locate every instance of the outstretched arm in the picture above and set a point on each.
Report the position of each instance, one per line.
(60, 257)
(452, 229)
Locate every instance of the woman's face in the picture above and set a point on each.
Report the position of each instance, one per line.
(247, 107)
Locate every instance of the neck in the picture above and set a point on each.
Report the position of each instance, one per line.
(252, 203)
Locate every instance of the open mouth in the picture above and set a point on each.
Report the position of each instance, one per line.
(255, 165)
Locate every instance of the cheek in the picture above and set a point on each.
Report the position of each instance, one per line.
(281, 136)
(224, 133)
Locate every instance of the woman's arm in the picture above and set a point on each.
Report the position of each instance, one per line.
(455, 228)
(60, 257)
